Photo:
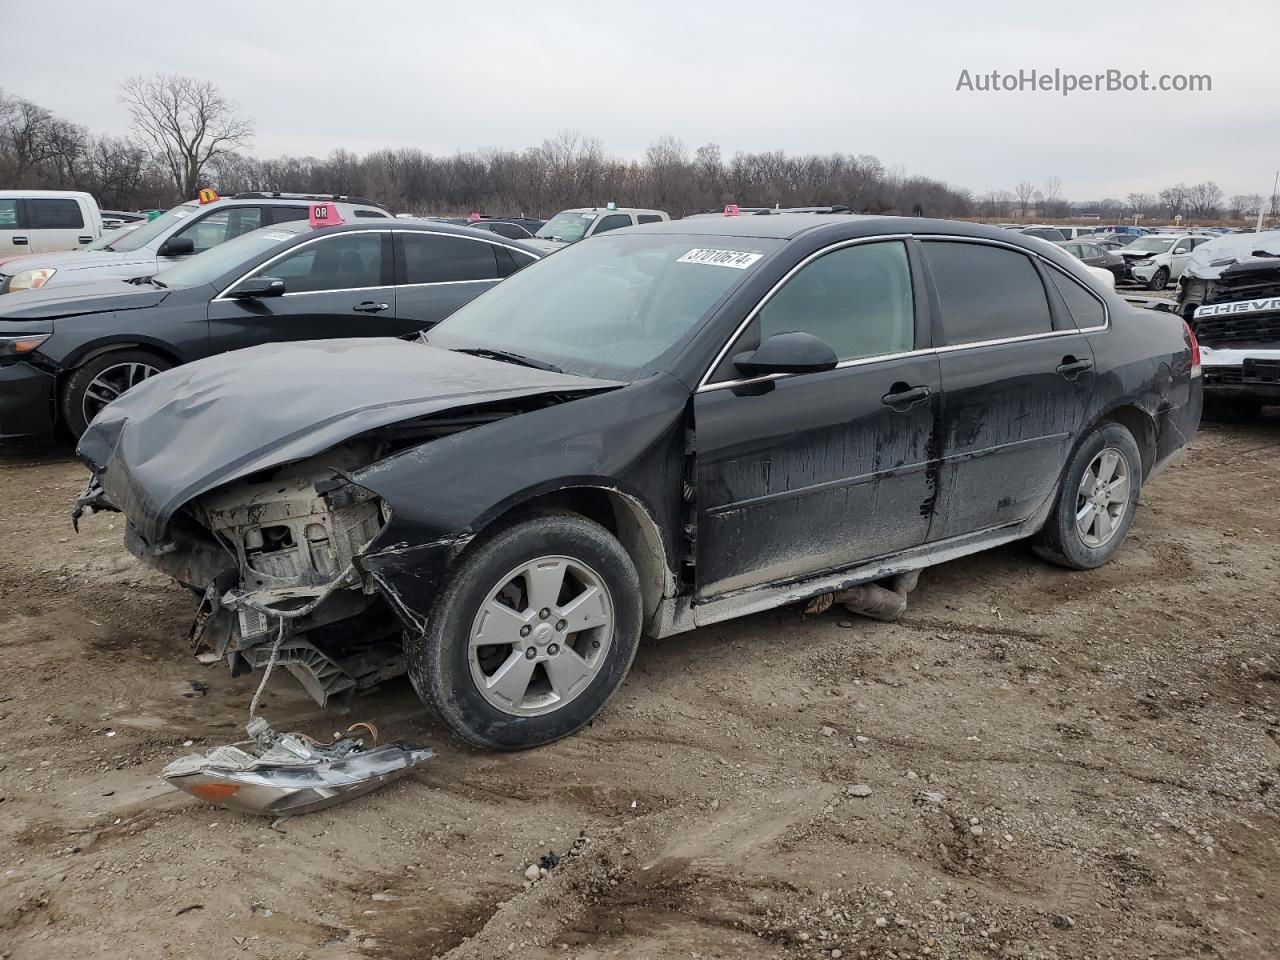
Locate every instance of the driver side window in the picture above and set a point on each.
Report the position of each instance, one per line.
(346, 262)
(221, 226)
(858, 299)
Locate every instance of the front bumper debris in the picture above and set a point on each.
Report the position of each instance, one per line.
(289, 774)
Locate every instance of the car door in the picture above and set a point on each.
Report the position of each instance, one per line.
(13, 239)
(55, 224)
(798, 474)
(336, 285)
(436, 273)
(1016, 378)
(1178, 257)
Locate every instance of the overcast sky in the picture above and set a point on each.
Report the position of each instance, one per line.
(850, 76)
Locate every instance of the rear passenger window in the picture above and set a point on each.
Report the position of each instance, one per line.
(46, 213)
(1086, 309)
(858, 299)
(987, 292)
(371, 214)
(648, 218)
(436, 258)
(8, 214)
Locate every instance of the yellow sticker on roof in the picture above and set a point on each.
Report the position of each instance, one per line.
(721, 258)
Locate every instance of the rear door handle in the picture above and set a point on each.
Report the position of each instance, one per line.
(20, 241)
(85, 239)
(1071, 368)
(902, 397)
(369, 306)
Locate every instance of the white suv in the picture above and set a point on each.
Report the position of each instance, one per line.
(1158, 258)
(570, 226)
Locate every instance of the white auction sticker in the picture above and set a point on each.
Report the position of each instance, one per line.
(279, 236)
(721, 258)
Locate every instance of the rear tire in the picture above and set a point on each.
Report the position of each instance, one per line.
(525, 590)
(94, 384)
(1104, 475)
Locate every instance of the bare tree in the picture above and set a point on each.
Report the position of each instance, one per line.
(1174, 198)
(1140, 203)
(1025, 192)
(186, 123)
(1204, 199)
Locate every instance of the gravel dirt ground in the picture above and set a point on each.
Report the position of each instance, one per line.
(1059, 765)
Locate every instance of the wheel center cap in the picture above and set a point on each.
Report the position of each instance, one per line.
(542, 634)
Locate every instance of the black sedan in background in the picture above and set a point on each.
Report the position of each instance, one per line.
(1093, 255)
(655, 430)
(67, 352)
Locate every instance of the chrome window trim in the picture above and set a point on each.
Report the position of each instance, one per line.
(312, 293)
(445, 283)
(377, 229)
(704, 386)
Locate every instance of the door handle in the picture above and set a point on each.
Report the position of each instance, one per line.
(902, 397)
(369, 306)
(1071, 368)
(19, 241)
(85, 239)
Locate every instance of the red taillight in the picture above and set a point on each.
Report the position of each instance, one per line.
(1195, 350)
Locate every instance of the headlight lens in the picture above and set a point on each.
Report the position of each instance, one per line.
(31, 279)
(21, 344)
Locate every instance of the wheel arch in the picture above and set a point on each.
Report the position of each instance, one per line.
(91, 351)
(1141, 424)
(623, 514)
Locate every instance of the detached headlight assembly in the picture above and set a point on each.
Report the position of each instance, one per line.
(21, 344)
(31, 279)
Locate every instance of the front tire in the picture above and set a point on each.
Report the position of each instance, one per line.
(1159, 280)
(1096, 503)
(532, 635)
(93, 385)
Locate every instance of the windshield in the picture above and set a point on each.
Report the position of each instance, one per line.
(1151, 244)
(137, 239)
(567, 226)
(610, 308)
(216, 261)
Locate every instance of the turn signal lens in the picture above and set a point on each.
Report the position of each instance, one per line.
(22, 344)
(214, 792)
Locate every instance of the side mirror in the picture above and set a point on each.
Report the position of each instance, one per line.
(788, 353)
(255, 288)
(177, 247)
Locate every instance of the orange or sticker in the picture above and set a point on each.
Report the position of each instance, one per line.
(325, 215)
(731, 210)
(473, 218)
(215, 792)
(208, 196)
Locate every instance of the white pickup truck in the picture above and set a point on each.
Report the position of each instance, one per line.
(47, 221)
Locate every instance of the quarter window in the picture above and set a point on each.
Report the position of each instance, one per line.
(648, 218)
(858, 299)
(345, 262)
(1085, 308)
(436, 258)
(986, 292)
(47, 213)
(8, 214)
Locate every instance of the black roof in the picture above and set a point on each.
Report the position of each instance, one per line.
(399, 223)
(787, 226)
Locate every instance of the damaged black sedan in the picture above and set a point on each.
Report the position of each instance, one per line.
(655, 430)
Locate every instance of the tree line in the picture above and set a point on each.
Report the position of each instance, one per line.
(186, 136)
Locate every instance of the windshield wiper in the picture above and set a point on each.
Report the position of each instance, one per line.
(506, 357)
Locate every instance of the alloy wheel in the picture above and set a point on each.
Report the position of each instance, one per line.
(541, 636)
(111, 383)
(1103, 497)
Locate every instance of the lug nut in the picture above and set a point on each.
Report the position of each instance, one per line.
(526, 630)
(553, 649)
(530, 653)
(544, 613)
(561, 624)
(595, 644)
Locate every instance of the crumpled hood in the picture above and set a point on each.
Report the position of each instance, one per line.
(1208, 260)
(546, 246)
(50, 303)
(179, 435)
(78, 260)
